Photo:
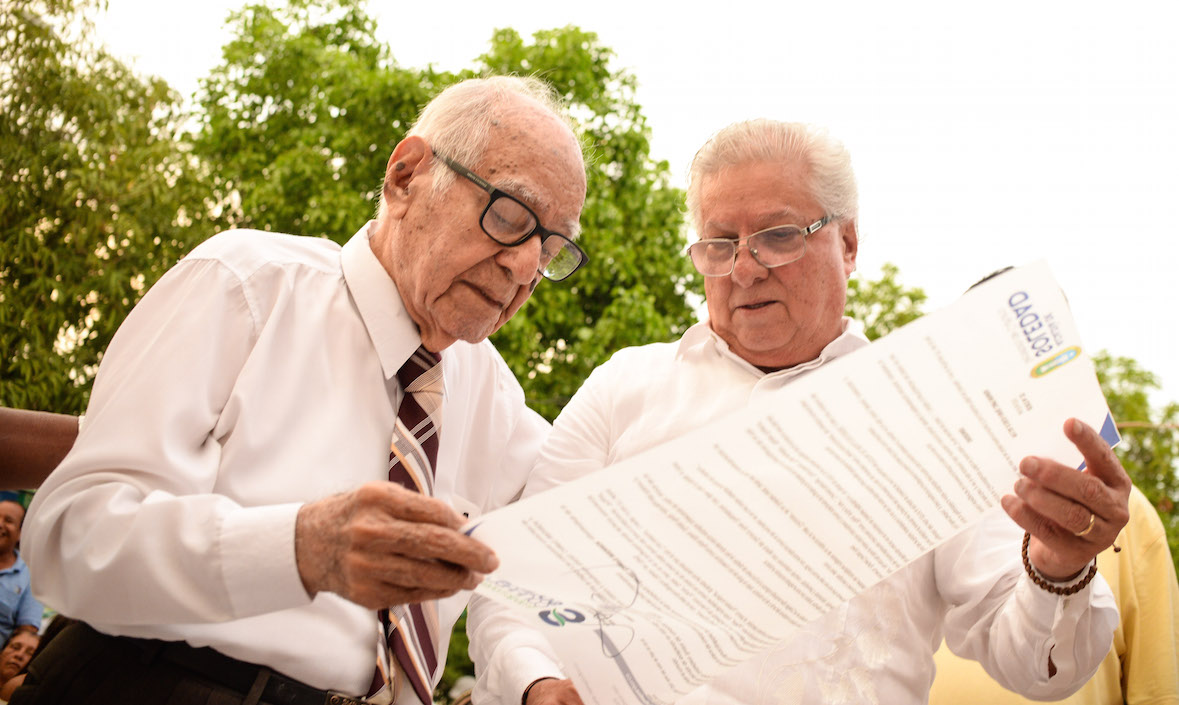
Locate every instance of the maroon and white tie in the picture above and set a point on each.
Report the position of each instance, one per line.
(411, 631)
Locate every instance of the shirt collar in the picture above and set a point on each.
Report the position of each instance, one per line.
(17, 566)
(701, 340)
(394, 334)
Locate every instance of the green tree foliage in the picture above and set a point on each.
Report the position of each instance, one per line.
(458, 662)
(99, 198)
(883, 305)
(1150, 437)
(300, 117)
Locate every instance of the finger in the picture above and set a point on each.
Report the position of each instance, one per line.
(377, 534)
(1100, 460)
(1030, 520)
(1085, 490)
(407, 504)
(399, 572)
(384, 575)
(1055, 552)
(426, 541)
(1071, 516)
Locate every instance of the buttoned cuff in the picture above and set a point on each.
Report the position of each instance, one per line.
(1065, 621)
(506, 683)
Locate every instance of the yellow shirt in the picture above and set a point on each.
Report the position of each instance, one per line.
(1142, 667)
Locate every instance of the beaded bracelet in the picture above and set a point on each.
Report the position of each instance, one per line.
(1044, 584)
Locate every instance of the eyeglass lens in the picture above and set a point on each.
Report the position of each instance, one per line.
(771, 248)
(508, 221)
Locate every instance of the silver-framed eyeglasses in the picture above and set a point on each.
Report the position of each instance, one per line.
(772, 247)
(509, 222)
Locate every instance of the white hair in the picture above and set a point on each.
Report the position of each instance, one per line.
(458, 121)
(832, 181)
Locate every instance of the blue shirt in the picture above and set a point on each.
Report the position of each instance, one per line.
(17, 604)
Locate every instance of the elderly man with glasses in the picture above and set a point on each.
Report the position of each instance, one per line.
(775, 206)
(285, 435)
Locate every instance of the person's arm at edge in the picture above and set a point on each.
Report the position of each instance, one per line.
(1150, 627)
(32, 443)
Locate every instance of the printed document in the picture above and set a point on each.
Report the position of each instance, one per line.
(658, 573)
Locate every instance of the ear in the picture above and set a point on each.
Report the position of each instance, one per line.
(851, 245)
(410, 160)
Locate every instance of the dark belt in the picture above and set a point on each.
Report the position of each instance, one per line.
(265, 684)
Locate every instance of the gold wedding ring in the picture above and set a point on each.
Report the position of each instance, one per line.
(1087, 529)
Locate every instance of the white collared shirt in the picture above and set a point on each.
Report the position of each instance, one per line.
(258, 374)
(877, 648)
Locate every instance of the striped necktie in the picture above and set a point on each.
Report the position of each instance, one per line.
(411, 631)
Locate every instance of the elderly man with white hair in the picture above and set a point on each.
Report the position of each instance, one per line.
(264, 500)
(775, 206)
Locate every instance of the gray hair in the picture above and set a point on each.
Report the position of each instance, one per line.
(832, 181)
(458, 121)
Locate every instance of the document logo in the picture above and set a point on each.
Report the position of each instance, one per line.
(1059, 360)
(557, 619)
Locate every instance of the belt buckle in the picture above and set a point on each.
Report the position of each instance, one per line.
(341, 699)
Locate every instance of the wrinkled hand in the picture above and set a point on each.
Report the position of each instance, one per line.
(554, 692)
(382, 545)
(1053, 503)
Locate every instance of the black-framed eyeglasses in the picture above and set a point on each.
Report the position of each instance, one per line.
(772, 247)
(509, 222)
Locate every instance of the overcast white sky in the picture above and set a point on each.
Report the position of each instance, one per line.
(983, 134)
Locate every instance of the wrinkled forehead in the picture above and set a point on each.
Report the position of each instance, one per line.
(758, 195)
(539, 163)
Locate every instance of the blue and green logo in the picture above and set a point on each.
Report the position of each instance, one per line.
(1061, 359)
(559, 618)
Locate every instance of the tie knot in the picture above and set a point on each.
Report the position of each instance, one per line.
(422, 372)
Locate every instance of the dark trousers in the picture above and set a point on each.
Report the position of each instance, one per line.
(82, 665)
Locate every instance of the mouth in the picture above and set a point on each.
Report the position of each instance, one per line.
(753, 306)
(489, 298)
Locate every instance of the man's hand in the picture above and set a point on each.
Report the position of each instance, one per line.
(1054, 503)
(553, 692)
(382, 545)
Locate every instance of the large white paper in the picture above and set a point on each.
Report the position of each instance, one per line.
(658, 573)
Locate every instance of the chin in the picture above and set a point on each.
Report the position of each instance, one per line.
(475, 332)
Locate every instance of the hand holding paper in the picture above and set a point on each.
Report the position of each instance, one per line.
(1072, 516)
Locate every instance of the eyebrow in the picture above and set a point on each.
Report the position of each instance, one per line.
(785, 216)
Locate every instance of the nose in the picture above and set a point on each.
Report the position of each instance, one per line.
(522, 261)
(747, 271)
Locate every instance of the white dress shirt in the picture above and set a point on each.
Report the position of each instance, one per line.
(258, 374)
(878, 648)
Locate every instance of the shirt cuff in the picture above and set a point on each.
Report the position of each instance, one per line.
(258, 559)
(1055, 621)
(528, 664)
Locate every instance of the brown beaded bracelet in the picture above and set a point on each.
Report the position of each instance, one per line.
(1044, 584)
